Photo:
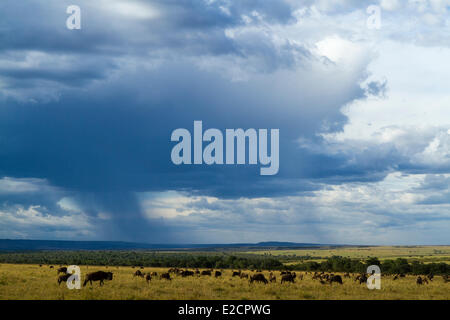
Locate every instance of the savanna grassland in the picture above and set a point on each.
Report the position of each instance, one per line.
(419, 253)
(32, 281)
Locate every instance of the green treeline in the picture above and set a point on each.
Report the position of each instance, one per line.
(397, 266)
(218, 261)
(143, 258)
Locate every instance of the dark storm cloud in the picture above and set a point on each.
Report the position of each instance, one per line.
(119, 86)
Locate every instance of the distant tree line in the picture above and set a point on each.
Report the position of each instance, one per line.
(218, 261)
(397, 266)
(143, 258)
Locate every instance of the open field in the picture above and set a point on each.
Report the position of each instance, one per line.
(419, 253)
(34, 282)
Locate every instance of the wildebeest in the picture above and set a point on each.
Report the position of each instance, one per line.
(63, 278)
(336, 278)
(154, 274)
(187, 273)
(244, 275)
(347, 275)
(165, 276)
(206, 273)
(98, 276)
(362, 278)
(259, 277)
(148, 277)
(287, 278)
(419, 280)
(217, 274)
(236, 273)
(62, 270)
(272, 278)
(138, 273)
(51, 267)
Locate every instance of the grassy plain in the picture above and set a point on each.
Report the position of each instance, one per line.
(420, 253)
(34, 282)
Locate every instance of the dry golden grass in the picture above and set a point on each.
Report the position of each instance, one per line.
(34, 282)
(421, 253)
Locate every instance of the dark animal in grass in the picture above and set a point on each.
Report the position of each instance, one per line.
(217, 274)
(138, 273)
(430, 277)
(396, 277)
(165, 276)
(336, 278)
(236, 274)
(62, 270)
(259, 277)
(206, 273)
(187, 273)
(154, 274)
(63, 278)
(98, 276)
(244, 275)
(347, 275)
(148, 277)
(419, 280)
(51, 267)
(287, 278)
(363, 279)
(272, 278)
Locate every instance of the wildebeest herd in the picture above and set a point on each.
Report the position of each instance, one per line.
(257, 277)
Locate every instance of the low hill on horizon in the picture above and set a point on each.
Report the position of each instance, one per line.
(43, 245)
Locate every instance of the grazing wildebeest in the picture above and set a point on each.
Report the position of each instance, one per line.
(259, 277)
(206, 273)
(402, 275)
(430, 277)
(244, 275)
(347, 275)
(197, 272)
(272, 278)
(287, 278)
(138, 273)
(154, 274)
(98, 276)
(396, 277)
(336, 278)
(51, 267)
(419, 280)
(217, 274)
(148, 277)
(40, 265)
(363, 279)
(187, 273)
(62, 270)
(142, 267)
(165, 276)
(63, 278)
(236, 273)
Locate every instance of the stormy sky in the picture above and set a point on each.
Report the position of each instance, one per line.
(364, 117)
